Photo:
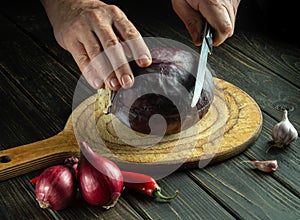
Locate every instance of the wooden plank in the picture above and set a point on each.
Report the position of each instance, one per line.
(247, 193)
(18, 116)
(82, 210)
(191, 203)
(280, 57)
(30, 17)
(269, 90)
(288, 159)
(16, 201)
(236, 186)
(35, 72)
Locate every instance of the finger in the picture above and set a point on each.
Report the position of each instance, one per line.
(120, 65)
(91, 44)
(99, 70)
(133, 39)
(192, 20)
(221, 17)
(115, 53)
(92, 48)
(82, 60)
(112, 82)
(126, 49)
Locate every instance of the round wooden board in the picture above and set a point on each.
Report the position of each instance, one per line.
(232, 123)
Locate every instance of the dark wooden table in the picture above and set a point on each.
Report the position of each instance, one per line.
(38, 78)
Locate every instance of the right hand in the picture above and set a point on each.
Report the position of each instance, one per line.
(220, 14)
(88, 27)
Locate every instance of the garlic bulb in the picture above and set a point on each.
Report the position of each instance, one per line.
(284, 132)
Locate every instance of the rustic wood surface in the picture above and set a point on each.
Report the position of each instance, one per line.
(37, 83)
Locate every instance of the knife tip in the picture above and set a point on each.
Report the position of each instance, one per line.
(193, 104)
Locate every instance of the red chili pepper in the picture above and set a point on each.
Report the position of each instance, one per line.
(34, 179)
(145, 184)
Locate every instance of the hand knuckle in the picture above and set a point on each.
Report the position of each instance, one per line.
(226, 29)
(94, 50)
(115, 10)
(111, 42)
(190, 23)
(82, 60)
(131, 32)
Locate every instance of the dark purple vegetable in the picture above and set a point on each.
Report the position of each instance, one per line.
(56, 187)
(165, 88)
(100, 179)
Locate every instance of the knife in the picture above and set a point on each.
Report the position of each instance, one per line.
(206, 49)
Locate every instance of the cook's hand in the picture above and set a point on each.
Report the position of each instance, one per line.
(86, 28)
(220, 14)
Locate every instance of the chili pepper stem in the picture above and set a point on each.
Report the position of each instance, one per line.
(157, 194)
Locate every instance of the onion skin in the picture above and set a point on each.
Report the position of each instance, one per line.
(171, 70)
(100, 180)
(56, 187)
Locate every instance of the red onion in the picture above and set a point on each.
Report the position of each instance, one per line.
(100, 179)
(56, 187)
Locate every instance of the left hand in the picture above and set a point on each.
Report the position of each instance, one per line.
(220, 14)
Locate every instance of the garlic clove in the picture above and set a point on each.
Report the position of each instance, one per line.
(265, 166)
(284, 132)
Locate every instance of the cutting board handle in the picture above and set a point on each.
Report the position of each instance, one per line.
(26, 158)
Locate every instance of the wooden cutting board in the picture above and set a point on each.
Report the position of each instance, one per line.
(232, 124)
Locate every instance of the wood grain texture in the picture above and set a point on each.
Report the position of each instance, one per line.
(30, 17)
(232, 183)
(225, 131)
(34, 72)
(192, 201)
(268, 89)
(38, 155)
(266, 69)
(288, 157)
(262, 48)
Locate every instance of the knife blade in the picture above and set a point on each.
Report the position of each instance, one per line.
(206, 49)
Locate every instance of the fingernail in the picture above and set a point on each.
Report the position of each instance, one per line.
(114, 83)
(144, 60)
(126, 81)
(97, 83)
